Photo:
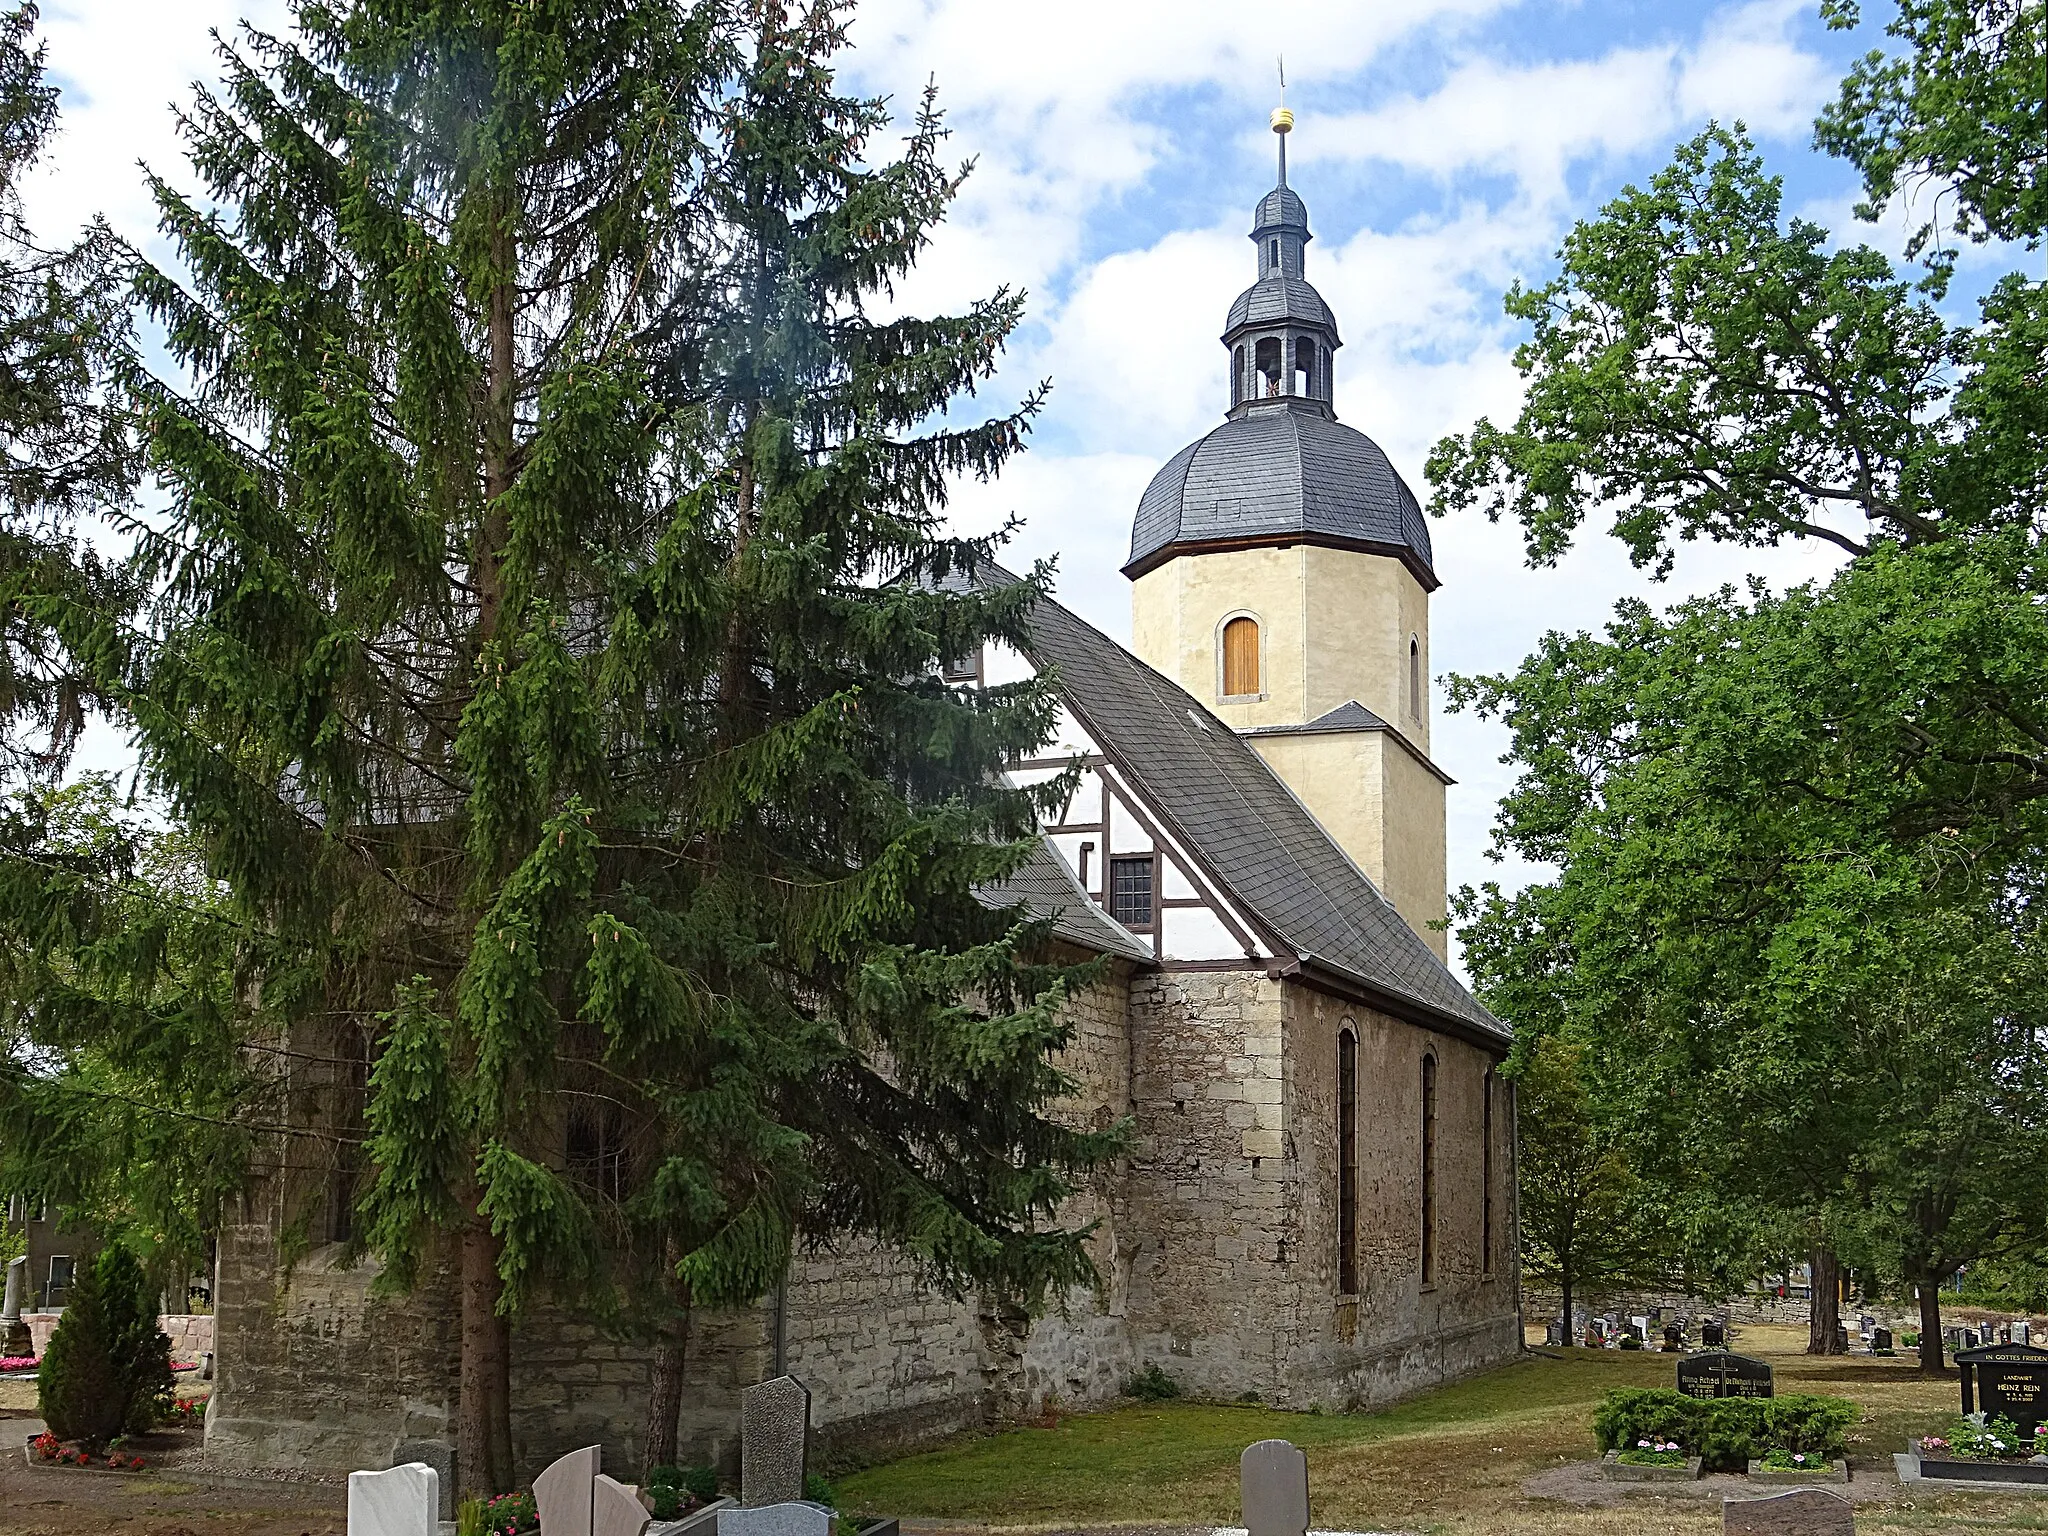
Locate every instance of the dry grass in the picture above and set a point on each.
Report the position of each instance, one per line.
(1454, 1463)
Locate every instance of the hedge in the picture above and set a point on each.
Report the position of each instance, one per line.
(1725, 1432)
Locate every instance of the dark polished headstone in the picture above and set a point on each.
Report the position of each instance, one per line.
(1713, 1334)
(1724, 1375)
(2008, 1381)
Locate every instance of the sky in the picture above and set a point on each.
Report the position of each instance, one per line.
(1444, 148)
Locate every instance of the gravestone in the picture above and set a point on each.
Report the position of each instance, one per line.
(775, 1433)
(1674, 1338)
(1272, 1480)
(1724, 1375)
(405, 1501)
(563, 1493)
(1801, 1512)
(1865, 1323)
(19, 1342)
(1553, 1335)
(2007, 1381)
(796, 1517)
(2023, 1332)
(1880, 1341)
(615, 1508)
(1713, 1334)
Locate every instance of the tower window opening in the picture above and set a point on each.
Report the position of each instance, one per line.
(1240, 658)
(1429, 1170)
(1415, 676)
(1347, 1163)
(1237, 379)
(1304, 366)
(1276, 256)
(1266, 361)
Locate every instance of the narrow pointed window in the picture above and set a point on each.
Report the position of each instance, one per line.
(1237, 376)
(1486, 1179)
(1240, 658)
(1415, 676)
(1347, 1163)
(1429, 1170)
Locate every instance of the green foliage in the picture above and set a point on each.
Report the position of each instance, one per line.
(551, 610)
(138, 1347)
(818, 1491)
(664, 1500)
(1982, 1437)
(80, 1391)
(1726, 1432)
(470, 1518)
(1956, 111)
(513, 1512)
(1152, 1384)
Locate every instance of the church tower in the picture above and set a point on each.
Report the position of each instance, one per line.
(1280, 572)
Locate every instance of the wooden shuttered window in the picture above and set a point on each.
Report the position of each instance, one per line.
(1240, 657)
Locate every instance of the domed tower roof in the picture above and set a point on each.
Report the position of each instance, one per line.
(1281, 469)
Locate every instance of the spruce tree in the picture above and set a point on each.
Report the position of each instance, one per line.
(554, 601)
(80, 1392)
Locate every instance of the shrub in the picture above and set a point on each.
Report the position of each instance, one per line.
(818, 1491)
(141, 1352)
(1727, 1433)
(664, 1501)
(510, 1513)
(470, 1515)
(1152, 1385)
(700, 1483)
(80, 1393)
(1629, 1414)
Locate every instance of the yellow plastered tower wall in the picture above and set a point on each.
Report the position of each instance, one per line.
(1281, 571)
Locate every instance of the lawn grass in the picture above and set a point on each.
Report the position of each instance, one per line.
(1450, 1463)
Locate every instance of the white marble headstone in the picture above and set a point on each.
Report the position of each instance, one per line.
(406, 1501)
(795, 1517)
(563, 1492)
(615, 1508)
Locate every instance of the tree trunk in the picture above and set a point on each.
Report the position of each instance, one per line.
(665, 1395)
(504, 1476)
(480, 1410)
(1824, 1315)
(1564, 1293)
(1930, 1326)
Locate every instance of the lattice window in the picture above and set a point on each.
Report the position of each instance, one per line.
(1130, 891)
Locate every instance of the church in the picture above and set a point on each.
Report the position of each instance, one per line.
(1319, 1208)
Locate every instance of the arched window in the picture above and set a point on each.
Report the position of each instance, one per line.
(1486, 1178)
(1347, 1163)
(1429, 1170)
(1304, 366)
(1240, 657)
(1276, 255)
(1266, 361)
(1415, 676)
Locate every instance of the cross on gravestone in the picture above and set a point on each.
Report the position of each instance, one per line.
(1724, 1375)
(405, 1501)
(775, 1433)
(1272, 1482)
(798, 1517)
(1801, 1512)
(563, 1493)
(615, 1508)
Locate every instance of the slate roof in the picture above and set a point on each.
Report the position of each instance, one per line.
(1272, 858)
(1046, 887)
(1276, 297)
(1281, 208)
(1352, 716)
(1280, 473)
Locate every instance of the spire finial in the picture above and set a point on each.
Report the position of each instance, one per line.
(1283, 122)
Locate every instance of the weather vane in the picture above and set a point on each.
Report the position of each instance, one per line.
(1283, 121)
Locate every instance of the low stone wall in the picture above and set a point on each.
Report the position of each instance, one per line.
(191, 1334)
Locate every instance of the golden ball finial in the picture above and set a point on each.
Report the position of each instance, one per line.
(1283, 120)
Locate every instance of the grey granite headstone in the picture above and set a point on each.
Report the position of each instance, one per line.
(563, 1493)
(615, 1508)
(405, 1501)
(1273, 1483)
(792, 1517)
(439, 1455)
(775, 1434)
(1801, 1512)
